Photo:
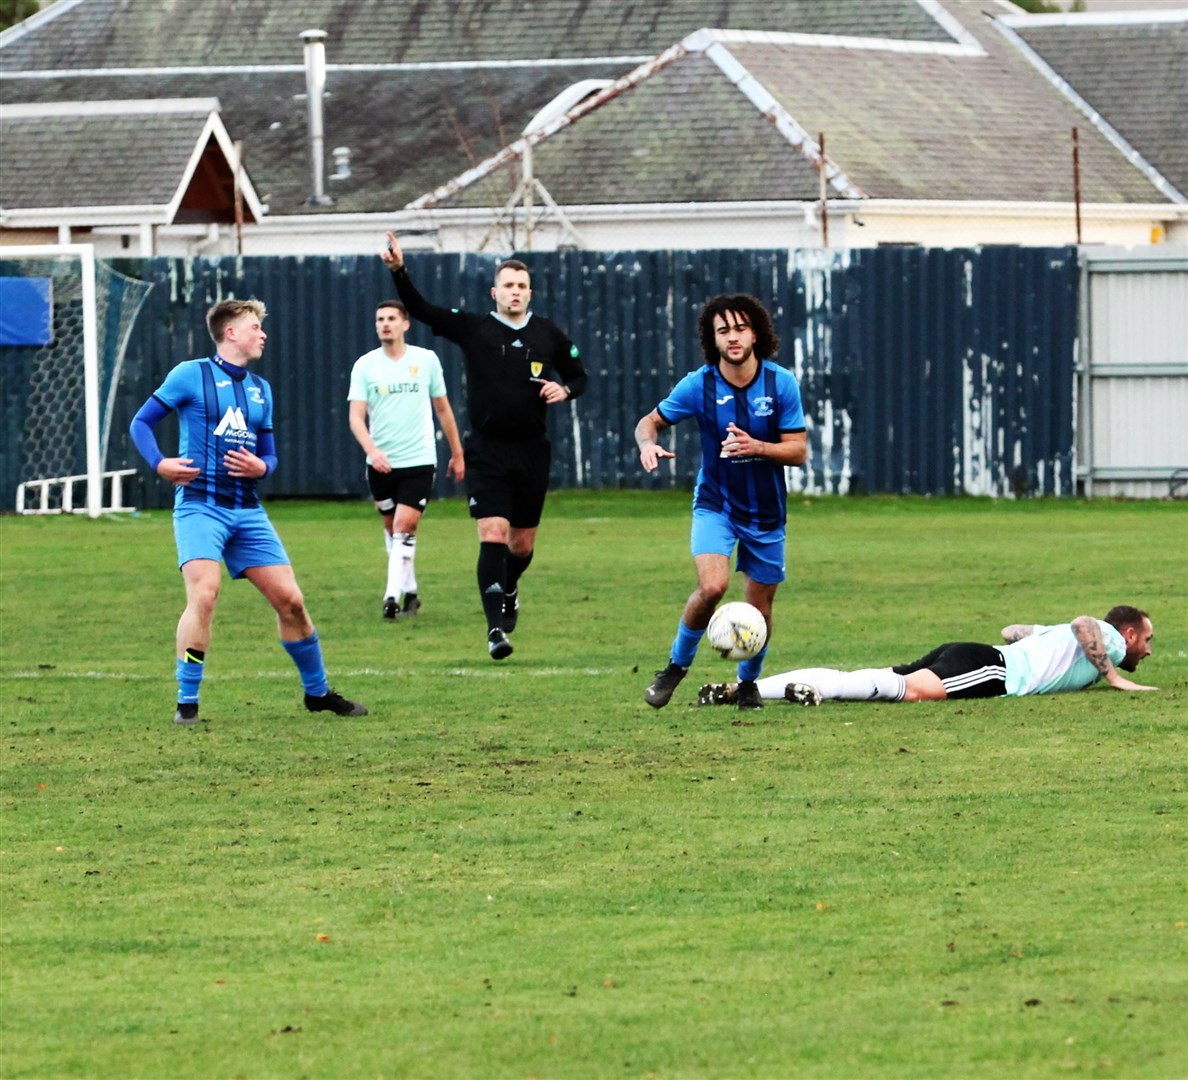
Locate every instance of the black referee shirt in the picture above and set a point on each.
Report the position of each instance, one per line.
(501, 363)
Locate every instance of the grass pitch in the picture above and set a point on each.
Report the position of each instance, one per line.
(521, 870)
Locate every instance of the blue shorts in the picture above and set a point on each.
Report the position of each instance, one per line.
(240, 538)
(760, 552)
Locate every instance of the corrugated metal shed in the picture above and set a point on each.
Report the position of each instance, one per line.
(1134, 377)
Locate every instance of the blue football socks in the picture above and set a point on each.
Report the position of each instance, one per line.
(307, 655)
(750, 669)
(684, 647)
(190, 669)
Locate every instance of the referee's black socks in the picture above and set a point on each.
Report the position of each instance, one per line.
(516, 565)
(492, 581)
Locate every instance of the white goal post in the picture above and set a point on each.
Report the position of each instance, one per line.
(53, 470)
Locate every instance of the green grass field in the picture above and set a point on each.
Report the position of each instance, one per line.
(521, 870)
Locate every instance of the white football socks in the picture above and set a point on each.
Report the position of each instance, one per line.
(402, 574)
(395, 584)
(869, 684)
(407, 542)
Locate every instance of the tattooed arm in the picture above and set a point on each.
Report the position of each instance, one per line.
(1088, 635)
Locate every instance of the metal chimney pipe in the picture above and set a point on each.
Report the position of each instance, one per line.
(315, 88)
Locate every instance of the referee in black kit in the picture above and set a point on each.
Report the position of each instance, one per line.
(517, 364)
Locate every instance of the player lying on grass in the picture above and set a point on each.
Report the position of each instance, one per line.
(1033, 660)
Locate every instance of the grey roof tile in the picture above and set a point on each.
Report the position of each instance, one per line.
(945, 127)
(143, 33)
(685, 134)
(1135, 75)
(106, 160)
(900, 125)
(407, 131)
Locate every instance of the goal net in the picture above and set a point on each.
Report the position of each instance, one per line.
(65, 319)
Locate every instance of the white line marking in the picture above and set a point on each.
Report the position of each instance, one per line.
(396, 673)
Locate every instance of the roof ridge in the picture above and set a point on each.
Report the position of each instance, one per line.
(296, 69)
(1111, 134)
(700, 41)
(111, 106)
(36, 20)
(516, 149)
(762, 99)
(1097, 18)
(969, 47)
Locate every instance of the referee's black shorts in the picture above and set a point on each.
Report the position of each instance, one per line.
(967, 669)
(507, 478)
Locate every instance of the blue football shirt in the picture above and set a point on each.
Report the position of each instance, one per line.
(751, 490)
(219, 407)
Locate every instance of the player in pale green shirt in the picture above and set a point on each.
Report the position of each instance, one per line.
(394, 393)
(1032, 660)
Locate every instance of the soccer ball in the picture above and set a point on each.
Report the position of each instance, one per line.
(737, 630)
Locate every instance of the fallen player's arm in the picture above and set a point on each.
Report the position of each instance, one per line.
(1088, 635)
(1017, 632)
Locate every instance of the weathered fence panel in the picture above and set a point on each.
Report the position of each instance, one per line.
(923, 370)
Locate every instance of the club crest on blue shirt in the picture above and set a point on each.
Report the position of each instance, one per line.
(762, 406)
(256, 394)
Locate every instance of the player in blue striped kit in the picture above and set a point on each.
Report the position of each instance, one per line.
(751, 419)
(226, 445)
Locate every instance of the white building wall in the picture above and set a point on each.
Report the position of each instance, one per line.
(959, 231)
(618, 228)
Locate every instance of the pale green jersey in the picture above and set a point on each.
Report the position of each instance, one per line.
(1050, 660)
(399, 411)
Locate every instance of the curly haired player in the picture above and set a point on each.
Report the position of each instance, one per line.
(751, 420)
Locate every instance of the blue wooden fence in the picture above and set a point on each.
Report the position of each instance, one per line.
(923, 370)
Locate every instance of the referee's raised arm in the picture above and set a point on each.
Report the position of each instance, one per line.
(393, 256)
(442, 321)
